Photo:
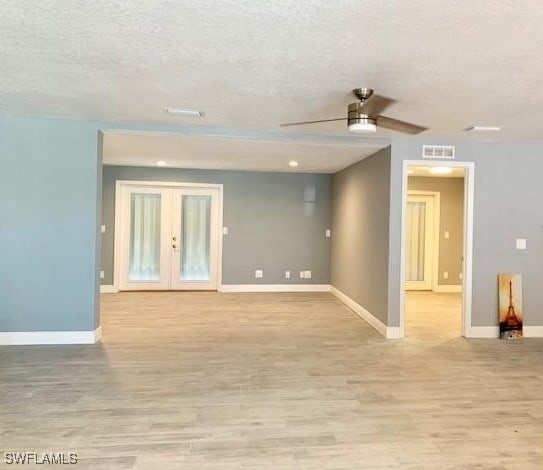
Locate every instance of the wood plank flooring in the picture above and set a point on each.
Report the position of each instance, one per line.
(273, 381)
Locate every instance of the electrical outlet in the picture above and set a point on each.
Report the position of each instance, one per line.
(447, 235)
(307, 275)
(445, 275)
(302, 274)
(225, 230)
(102, 274)
(103, 228)
(259, 274)
(521, 243)
(327, 233)
(287, 274)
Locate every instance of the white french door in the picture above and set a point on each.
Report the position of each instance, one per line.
(169, 237)
(419, 242)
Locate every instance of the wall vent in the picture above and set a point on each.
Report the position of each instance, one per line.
(438, 151)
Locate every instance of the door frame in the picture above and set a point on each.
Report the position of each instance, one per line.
(117, 250)
(467, 271)
(436, 214)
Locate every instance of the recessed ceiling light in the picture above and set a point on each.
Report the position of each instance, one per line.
(483, 128)
(161, 163)
(441, 170)
(184, 112)
(293, 163)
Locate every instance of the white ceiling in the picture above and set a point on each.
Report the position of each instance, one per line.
(252, 64)
(456, 172)
(228, 153)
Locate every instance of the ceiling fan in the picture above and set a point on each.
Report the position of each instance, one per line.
(365, 115)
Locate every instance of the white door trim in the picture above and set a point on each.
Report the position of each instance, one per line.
(117, 243)
(469, 191)
(436, 214)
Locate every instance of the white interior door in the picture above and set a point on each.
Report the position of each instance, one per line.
(419, 246)
(169, 238)
(195, 229)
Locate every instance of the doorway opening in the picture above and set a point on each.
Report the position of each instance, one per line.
(437, 206)
(167, 236)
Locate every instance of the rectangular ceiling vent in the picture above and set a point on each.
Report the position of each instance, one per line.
(438, 151)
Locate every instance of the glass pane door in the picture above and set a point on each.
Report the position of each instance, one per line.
(419, 242)
(415, 244)
(144, 243)
(195, 239)
(145, 232)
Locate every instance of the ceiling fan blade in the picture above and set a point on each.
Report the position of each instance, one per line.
(376, 105)
(311, 122)
(399, 126)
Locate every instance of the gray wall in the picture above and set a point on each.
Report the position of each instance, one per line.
(49, 191)
(360, 236)
(508, 205)
(451, 219)
(273, 221)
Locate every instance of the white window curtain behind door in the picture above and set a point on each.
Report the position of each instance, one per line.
(196, 218)
(144, 261)
(416, 230)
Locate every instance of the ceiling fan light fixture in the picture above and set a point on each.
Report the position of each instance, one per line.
(363, 126)
(358, 121)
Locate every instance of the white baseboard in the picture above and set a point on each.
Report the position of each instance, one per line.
(274, 288)
(494, 332)
(532, 331)
(446, 288)
(387, 332)
(108, 289)
(17, 338)
(483, 332)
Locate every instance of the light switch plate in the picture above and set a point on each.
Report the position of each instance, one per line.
(447, 235)
(103, 228)
(521, 243)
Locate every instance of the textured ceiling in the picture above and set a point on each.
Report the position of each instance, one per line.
(252, 64)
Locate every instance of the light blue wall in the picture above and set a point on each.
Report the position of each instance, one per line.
(50, 173)
(507, 205)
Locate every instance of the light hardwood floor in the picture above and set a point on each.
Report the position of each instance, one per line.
(272, 381)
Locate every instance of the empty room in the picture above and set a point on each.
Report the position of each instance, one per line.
(288, 235)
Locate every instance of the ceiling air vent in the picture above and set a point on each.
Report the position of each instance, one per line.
(438, 151)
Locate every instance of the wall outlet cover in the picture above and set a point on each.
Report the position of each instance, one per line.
(287, 274)
(225, 230)
(328, 233)
(102, 274)
(102, 228)
(521, 243)
(259, 274)
(307, 275)
(302, 274)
